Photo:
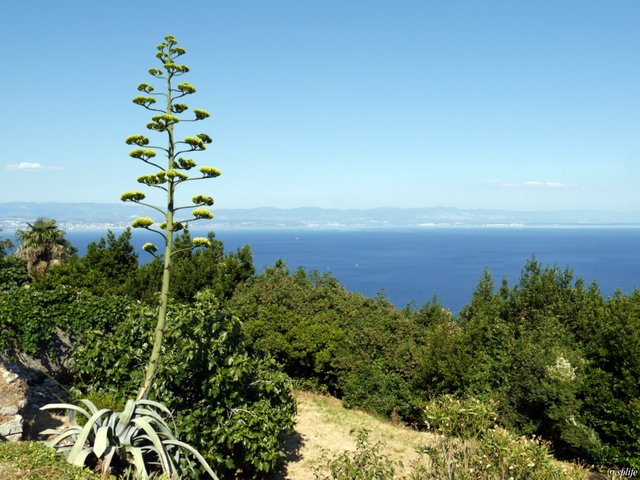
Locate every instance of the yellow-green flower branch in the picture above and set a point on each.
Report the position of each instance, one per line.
(170, 177)
(150, 248)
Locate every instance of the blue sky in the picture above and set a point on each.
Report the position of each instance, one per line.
(359, 104)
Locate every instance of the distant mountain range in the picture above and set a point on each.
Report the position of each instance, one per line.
(100, 216)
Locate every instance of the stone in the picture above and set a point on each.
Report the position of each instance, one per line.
(11, 429)
(13, 400)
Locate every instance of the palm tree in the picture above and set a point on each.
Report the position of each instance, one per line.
(42, 245)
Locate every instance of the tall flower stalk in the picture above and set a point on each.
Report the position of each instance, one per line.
(168, 175)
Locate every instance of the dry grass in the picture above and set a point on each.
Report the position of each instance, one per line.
(324, 425)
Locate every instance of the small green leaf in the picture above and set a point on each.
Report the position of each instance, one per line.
(195, 142)
(179, 108)
(144, 101)
(186, 163)
(204, 137)
(165, 119)
(173, 174)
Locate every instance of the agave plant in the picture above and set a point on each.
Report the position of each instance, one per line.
(138, 435)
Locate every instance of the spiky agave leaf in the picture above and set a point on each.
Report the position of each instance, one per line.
(78, 453)
(139, 435)
(66, 406)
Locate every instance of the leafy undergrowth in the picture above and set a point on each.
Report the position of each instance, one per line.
(329, 439)
(34, 461)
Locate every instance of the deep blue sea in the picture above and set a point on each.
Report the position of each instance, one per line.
(416, 265)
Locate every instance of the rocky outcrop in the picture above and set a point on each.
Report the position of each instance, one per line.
(23, 390)
(13, 400)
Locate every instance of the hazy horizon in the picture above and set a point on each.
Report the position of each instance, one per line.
(100, 216)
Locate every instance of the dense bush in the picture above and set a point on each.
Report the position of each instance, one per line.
(560, 360)
(29, 317)
(464, 418)
(108, 267)
(496, 454)
(233, 408)
(13, 272)
(363, 350)
(610, 395)
(195, 270)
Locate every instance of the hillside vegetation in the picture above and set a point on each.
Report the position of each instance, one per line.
(330, 441)
(548, 357)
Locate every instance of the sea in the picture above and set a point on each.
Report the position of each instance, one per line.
(413, 266)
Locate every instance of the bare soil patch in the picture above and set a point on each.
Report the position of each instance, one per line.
(323, 425)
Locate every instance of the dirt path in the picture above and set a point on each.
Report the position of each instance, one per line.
(323, 425)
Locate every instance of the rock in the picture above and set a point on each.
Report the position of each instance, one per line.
(23, 390)
(9, 410)
(13, 400)
(11, 429)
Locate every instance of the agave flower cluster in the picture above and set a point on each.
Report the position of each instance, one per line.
(168, 174)
(139, 436)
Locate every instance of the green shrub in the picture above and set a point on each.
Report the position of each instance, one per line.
(366, 463)
(559, 359)
(13, 272)
(232, 408)
(106, 269)
(463, 418)
(194, 270)
(496, 455)
(362, 350)
(29, 317)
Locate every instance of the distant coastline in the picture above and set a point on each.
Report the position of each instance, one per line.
(104, 216)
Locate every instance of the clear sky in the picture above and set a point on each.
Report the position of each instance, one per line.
(335, 103)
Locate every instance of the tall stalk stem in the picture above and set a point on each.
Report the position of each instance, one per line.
(168, 178)
(158, 336)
